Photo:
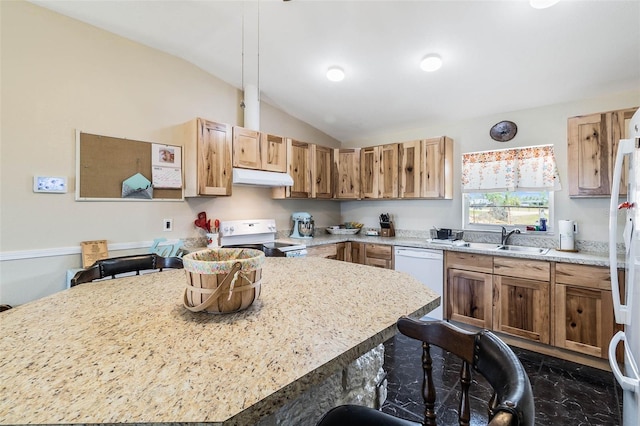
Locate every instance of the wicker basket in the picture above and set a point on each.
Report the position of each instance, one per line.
(222, 280)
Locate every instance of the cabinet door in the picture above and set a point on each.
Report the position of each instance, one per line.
(588, 156)
(299, 158)
(356, 251)
(346, 173)
(469, 298)
(322, 162)
(369, 166)
(273, 152)
(342, 251)
(214, 142)
(522, 308)
(410, 169)
(437, 168)
(246, 148)
(584, 319)
(618, 128)
(388, 170)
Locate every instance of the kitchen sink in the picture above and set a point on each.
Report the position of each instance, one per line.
(523, 249)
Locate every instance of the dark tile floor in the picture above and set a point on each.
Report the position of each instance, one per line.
(565, 393)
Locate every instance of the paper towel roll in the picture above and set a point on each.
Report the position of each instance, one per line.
(566, 233)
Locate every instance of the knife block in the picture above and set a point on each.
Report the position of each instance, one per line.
(387, 229)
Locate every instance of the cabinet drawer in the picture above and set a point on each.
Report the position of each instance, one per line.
(531, 269)
(469, 262)
(378, 251)
(326, 250)
(584, 276)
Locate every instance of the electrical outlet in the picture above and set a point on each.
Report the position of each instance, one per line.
(167, 224)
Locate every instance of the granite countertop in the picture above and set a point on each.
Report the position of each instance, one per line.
(594, 258)
(127, 351)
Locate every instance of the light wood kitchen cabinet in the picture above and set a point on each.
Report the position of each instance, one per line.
(584, 320)
(328, 251)
(437, 168)
(299, 167)
(379, 171)
(259, 151)
(273, 149)
(410, 169)
(346, 173)
(322, 163)
(343, 251)
(378, 255)
(592, 146)
(521, 294)
(469, 289)
(369, 166)
(355, 253)
(208, 164)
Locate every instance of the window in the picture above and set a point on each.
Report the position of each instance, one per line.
(510, 187)
(522, 209)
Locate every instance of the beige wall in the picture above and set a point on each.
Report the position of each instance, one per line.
(59, 75)
(538, 126)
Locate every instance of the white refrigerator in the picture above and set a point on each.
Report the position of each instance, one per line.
(627, 310)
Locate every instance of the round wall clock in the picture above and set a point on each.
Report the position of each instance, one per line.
(503, 131)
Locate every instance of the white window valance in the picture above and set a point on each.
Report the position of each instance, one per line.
(517, 169)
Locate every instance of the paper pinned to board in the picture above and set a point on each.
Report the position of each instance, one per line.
(166, 166)
(137, 186)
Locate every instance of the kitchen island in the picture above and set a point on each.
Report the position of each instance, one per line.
(127, 351)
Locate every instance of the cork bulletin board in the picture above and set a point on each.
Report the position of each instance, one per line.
(104, 162)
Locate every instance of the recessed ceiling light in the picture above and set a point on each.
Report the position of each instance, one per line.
(335, 74)
(431, 63)
(542, 4)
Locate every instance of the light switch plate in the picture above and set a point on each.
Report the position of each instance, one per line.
(54, 184)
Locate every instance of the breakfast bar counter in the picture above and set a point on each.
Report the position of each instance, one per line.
(127, 351)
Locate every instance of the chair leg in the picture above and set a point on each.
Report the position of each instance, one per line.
(428, 388)
(465, 382)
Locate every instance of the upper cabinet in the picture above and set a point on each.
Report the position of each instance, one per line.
(321, 164)
(379, 171)
(259, 151)
(346, 173)
(410, 169)
(208, 167)
(592, 147)
(299, 167)
(437, 168)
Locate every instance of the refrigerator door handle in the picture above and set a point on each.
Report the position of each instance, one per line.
(627, 383)
(622, 312)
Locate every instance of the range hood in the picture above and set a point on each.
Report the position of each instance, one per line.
(260, 178)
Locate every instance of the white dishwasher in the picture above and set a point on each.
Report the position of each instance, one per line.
(426, 266)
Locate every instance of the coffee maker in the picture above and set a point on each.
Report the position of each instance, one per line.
(303, 225)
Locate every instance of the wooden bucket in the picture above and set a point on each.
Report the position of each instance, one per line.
(222, 280)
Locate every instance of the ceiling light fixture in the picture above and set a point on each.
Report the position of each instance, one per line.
(335, 74)
(431, 63)
(542, 4)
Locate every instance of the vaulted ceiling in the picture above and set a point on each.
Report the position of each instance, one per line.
(498, 56)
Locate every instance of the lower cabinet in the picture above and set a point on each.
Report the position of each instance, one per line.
(329, 251)
(378, 255)
(521, 289)
(584, 309)
(564, 305)
(470, 297)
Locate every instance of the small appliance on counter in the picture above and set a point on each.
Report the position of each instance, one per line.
(303, 225)
(386, 226)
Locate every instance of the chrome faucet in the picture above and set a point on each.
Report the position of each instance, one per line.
(505, 235)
